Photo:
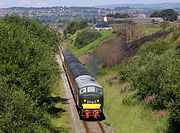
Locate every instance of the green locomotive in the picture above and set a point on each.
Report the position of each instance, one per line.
(87, 92)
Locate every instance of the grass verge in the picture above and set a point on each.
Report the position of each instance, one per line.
(59, 116)
(133, 117)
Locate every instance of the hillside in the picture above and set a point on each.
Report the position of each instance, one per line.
(139, 5)
(141, 92)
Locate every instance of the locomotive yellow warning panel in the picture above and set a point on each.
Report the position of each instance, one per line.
(91, 106)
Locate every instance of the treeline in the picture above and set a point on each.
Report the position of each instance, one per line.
(85, 37)
(73, 26)
(167, 14)
(118, 15)
(28, 71)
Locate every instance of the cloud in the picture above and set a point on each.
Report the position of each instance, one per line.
(41, 4)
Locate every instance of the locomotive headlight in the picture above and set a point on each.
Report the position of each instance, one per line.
(97, 100)
(84, 100)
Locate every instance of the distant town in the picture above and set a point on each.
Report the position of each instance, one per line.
(56, 16)
(64, 13)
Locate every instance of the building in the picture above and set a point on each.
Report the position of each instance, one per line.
(105, 19)
(102, 26)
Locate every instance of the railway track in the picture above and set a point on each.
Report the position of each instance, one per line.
(93, 127)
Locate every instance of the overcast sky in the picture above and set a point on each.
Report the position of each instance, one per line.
(44, 3)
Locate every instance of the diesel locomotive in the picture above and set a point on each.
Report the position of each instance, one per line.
(87, 92)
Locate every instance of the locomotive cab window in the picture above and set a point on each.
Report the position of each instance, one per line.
(83, 90)
(99, 90)
(91, 89)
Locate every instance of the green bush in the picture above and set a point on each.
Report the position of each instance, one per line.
(26, 57)
(85, 36)
(155, 72)
(167, 14)
(174, 116)
(18, 113)
(73, 26)
(28, 71)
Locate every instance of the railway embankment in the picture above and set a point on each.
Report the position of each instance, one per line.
(150, 55)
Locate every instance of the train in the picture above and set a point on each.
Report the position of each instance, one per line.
(87, 92)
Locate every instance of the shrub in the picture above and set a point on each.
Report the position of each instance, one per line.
(18, 113)
(28, 71)
(26, 57)
(110, 52)
(73, 26)
(155, 72)
(84, 37)
(167, 14)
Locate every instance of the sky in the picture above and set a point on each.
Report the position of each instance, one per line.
(47, 3)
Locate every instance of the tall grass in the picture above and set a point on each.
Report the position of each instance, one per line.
(124, 118)
(60, 120)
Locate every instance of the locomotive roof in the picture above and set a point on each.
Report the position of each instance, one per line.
(86, 80)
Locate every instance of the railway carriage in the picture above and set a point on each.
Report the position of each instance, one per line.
(87, 92)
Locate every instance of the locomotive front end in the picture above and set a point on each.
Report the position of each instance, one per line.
(91, 104)
(90, 98)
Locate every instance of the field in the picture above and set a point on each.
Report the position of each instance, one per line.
(149, 28)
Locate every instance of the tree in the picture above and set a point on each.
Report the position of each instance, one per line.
(119, 15)
(73, 26)
(169, 15)
(155, 14)
(155, 72)
(19, 113)
(28, 70)
(84, 37)
(110, 15)
(27, 55)
(82, 24)
(94, 20)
